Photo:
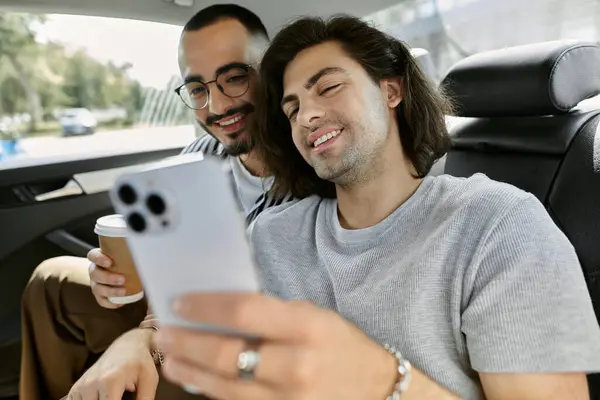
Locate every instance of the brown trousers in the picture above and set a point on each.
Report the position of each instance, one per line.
(65, 331)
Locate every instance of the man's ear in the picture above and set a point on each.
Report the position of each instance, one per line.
(393, 90)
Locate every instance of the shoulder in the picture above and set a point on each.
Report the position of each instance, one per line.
(486, 212)
(267, 201)
(481, 197)
(288, 217)
(206, 144)
(501, 219)
(479, 188)
(288, 213)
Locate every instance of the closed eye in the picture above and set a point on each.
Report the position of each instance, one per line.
(292, 115)
(330, 88)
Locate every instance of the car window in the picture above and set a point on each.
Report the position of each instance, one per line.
(453, 29)
(79, 84)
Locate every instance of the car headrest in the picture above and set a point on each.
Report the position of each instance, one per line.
(539, 79)
(425, 62)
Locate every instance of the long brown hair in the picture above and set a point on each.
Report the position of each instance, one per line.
(421, 121)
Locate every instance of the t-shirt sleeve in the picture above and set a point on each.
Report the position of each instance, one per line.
(527, 306)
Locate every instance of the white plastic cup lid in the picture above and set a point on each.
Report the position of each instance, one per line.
(111, 226)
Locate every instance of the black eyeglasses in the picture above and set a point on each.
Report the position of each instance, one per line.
(234, 82)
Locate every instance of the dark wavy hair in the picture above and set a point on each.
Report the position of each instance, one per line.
(420, 115)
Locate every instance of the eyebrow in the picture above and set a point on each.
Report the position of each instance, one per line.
(312, 81)
(220, 70)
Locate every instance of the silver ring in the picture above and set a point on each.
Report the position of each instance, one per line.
(247, 362)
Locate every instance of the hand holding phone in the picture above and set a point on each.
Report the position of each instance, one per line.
(186, 232)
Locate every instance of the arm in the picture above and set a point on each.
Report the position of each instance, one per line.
(126, 365)
(528, 320)
(423, 388)
(498, 386)
(544, 386)
(324, 357)
(150, 326)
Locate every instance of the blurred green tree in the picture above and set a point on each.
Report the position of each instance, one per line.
(19, 48)
(38, 78)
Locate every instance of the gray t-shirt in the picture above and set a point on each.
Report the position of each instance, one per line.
(468, 275)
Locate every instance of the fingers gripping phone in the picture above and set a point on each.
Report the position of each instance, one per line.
(186, 233)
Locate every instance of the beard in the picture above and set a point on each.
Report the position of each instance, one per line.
(240, 144)
(239, 147)
(356, 161)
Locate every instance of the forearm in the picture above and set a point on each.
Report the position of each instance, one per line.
(420, 386)
(423, 388)
(138, 335)
(137, 338)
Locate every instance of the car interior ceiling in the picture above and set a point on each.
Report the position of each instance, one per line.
(168, 11)
(517, 123)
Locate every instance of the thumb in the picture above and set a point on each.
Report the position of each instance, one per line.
(147, 383)
(97, 257)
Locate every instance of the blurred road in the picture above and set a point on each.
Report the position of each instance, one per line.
(119, 141)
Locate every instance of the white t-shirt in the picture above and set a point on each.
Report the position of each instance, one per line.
(249, 187)
(252, 191)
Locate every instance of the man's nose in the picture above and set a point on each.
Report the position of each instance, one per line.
(218, 102)
(310, 113)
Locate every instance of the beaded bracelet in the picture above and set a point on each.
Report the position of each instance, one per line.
(404, 371)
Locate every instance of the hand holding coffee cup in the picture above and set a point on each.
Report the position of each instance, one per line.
(103, 281)
(113, 276)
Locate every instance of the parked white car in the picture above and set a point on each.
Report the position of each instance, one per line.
(78, 121)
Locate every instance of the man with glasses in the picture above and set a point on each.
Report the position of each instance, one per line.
(65, 329)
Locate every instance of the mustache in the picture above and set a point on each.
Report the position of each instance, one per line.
(246, 108)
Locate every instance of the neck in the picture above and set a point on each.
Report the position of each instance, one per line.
(371, 201)
(254, 164)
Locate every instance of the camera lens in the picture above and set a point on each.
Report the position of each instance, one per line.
(127, 194)
(136, 222)
(156, 204)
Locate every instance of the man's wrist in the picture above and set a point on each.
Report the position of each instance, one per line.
(403, 372)
(149, 324)
(135, 338)
(141, 335)
(424, 388)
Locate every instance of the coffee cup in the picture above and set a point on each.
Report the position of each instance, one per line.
(112, 233)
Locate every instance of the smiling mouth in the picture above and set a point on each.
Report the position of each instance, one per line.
(231, 126)
(231, 121)
(326, 137)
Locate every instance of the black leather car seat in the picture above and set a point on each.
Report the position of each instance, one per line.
(518, 122)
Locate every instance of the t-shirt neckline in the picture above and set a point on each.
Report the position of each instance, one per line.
(372, 233)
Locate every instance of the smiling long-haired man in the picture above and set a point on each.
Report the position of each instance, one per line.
(442, 287)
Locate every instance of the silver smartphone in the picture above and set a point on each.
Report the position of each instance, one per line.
(186, 233)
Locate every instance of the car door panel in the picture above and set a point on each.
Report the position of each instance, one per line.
(49, 210)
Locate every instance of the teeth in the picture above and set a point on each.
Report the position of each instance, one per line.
(326, 137)
(231, 121)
